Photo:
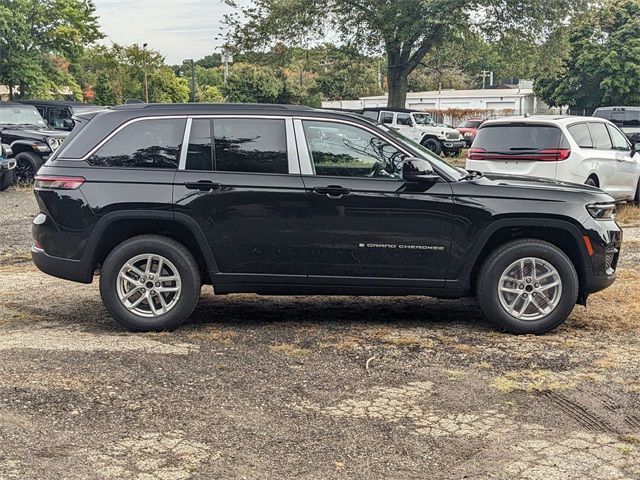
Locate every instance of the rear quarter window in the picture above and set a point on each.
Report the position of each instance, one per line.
(514, 138)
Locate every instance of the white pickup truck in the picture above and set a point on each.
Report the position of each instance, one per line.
(419, 127)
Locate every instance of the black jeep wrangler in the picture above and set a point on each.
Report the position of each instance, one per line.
(59, 113)
(278, 200)
(7, 165)
(30, 138)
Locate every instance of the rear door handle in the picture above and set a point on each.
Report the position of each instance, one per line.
(332, 191)
(203, 185)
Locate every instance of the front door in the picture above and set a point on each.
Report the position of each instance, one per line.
(627, 171)
(368, 226)
(241, 184)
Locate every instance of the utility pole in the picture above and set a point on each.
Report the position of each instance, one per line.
(379, 75)
(485, 74)
(226, 58)
(193, 80)
(144, 68)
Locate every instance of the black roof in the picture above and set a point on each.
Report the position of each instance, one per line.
(56, 103)
(12, 104)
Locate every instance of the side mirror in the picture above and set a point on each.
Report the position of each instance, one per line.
(635, 149)
(417, 170)
(68, 123)
(5, 150)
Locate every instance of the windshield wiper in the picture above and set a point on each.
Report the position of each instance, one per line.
(471, 175)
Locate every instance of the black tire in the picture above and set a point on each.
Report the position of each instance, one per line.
(504, 256)
(434, 145)
(6, 179)
(27, 165)
(174, 252)
(591, 182)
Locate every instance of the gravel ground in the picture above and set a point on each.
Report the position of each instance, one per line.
(312, 388)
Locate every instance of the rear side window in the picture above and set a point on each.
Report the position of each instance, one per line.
(618, 139)
(581, 135)
(512, 139)
(386, 117)
(144, 144)
(600, 136)
(200, 152)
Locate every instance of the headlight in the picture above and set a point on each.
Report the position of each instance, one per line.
(602, 211)
(41, 147)
(53, 143)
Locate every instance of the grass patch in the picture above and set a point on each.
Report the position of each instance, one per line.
(289, 350)
(530, 381)
(628, 214)
(628, 438)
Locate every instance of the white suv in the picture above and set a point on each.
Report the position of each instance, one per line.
(584, 150)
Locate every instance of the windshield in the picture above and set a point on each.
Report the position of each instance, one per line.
(21, 116)
(427, 154)
(470, 124)
(422, 118)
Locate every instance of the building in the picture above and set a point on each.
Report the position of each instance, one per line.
(450, 104)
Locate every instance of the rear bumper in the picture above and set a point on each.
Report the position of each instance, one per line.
(75, 270)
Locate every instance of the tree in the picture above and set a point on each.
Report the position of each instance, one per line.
(406, 30)
(252, 84)
(601, 63)
(36, 34)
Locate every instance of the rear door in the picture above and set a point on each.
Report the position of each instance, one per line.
(240, 181)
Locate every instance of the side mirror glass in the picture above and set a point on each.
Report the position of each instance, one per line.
(68, 123)
(417, 170)
(636, 147)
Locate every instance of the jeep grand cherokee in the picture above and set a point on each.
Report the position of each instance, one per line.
(279, 200)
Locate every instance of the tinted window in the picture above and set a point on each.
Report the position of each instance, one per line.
(470, 124)
(617, 118)
(250, 145)
(386, 117)
(632, 119)
(606, 114)
(600, 136)
(143, 144)
(581, 135)
(57, 117)
(618, 139)
(200, 153)
(404, 119)
(518, 138)
(370, 114)
(347, 151)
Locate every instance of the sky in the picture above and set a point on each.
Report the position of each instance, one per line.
(177, 29)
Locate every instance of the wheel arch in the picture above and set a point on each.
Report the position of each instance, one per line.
(116, 227)
(561, 233)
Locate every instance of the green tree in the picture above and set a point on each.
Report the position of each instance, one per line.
(601, 64)
(406, 30)
(252, 84)
(34, 34)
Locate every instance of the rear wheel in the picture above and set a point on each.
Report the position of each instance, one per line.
(6, 179)
(434, 145)
(27, 165)
(528, 286)
(150, 283)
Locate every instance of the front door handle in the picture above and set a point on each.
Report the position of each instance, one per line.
(203, 185)
(332, 191)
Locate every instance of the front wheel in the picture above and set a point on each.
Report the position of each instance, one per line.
(434, 145)
(527, 287)
(150, 283)
(27, 165)
(6, 179)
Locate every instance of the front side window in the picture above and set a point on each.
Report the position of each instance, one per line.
(600, 136)
(423, 118)
(404, 119)
(153, 143)
(347, 151)
(57, 117)
(618, 139)
(581, 135)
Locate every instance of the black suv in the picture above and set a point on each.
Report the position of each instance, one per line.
(27, 133)
(59, 113)
(625, 118)
(281, 200)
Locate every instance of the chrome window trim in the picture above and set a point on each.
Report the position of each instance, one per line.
(185, 145)
(292, 150)
(125, 125)
(303, 146)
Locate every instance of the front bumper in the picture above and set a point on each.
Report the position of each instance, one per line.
(452, 145)
(606, 241)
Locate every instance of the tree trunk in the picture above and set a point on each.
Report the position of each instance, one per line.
(397, 80)
(10, 91)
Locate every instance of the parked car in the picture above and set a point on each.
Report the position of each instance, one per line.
(7, 165)
(281, 200)
(27, 133)
(419, 127)
(59, 114)
(626, 119)
(469, 129)
(584, 150)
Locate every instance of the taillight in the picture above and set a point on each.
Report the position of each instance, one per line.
(545, 155)
(49, 182)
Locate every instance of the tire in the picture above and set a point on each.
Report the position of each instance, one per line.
(591, 182)
(546, 255)
(6, 179)
(434, 145)
(178, 263)
(27, 165)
